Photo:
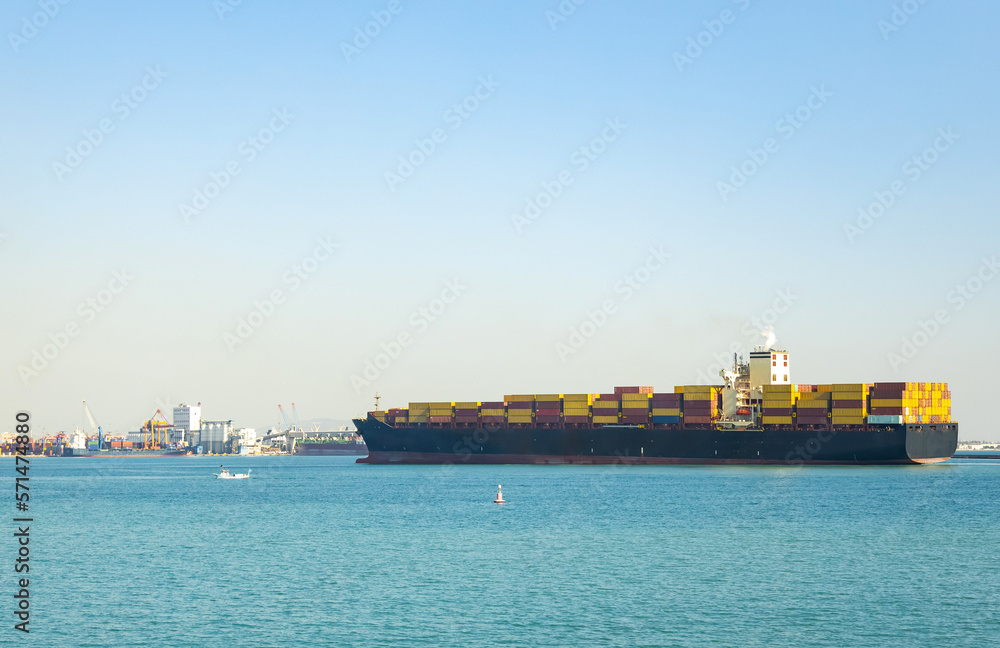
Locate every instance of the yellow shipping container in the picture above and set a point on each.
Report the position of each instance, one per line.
(417, 407)
(586, 398)
(466, 404)
(777, 389)
(666, 411)
(491, 412)
(605, 419)
(699, 396)
(848, 420)
(855, 396)
(518, 398)
(887, 402)
(636, 397)
(811, 396)
(418, 418)
(547, 397)
(848, 411)
(813, 404)
(851, 387)
(688, 389)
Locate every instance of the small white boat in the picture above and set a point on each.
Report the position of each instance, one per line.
(225, 474)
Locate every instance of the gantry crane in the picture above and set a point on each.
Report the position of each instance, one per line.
(94, 426)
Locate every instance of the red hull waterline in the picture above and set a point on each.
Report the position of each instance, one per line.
(415, 458)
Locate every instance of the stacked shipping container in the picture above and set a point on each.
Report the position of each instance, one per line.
(576, 408)
(846, 404)
(812, 405)
(777, 404)
(910, 403)
(849, 401)
(635, 404)
(607, 408)
(699, 403)
(666, 408)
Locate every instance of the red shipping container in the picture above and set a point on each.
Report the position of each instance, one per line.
(466, 411)
(492, 405)
(778, 411)
(492, 419)
(439, 419)
(635, 419)
(520, 405)
(548, 412)
(887, 411)
(610, 397)
(466, 418)
(576, 419)
(896, 387)
(546, 405)
(543, 418)
(849, 404)
(697, 419)
(627, 390)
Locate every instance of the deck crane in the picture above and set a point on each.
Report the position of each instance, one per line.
(295, 415)
(94, 426)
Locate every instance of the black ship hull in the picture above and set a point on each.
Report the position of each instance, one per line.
(622, 444)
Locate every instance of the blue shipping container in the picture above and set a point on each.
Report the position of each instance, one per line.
(666, 419)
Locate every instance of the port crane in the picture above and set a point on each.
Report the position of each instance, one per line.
(94, 426)
(154, 432)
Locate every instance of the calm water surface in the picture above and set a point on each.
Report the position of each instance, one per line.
(323, 552)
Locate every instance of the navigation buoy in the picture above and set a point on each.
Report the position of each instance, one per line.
(499, 499)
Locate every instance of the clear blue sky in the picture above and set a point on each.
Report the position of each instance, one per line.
(846, 98)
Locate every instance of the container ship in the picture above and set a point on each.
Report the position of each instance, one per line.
(346, 445)
(757, 416)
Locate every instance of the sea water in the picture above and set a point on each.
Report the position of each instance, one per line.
(321, 551)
